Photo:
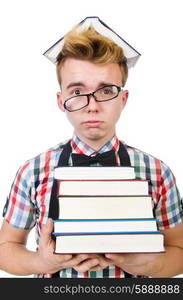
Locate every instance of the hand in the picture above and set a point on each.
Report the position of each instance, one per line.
(48, 261)
(145, 264)
(94, 262)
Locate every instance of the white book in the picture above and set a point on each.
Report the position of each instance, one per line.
(105, 207)
(110, 243)
(91, 173)
(131, 54)
(103, 187)
(62, 227)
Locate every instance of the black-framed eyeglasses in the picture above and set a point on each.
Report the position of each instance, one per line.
(102, 94)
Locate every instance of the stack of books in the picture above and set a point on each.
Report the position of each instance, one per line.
(104, 210)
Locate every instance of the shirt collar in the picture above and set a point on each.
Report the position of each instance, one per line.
(80, 147)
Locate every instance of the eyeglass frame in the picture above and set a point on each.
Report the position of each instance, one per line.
(119, 88)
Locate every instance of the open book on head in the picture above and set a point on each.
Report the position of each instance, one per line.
(131, 54)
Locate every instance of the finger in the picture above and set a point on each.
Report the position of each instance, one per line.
(103, 263)
(46, 231)
(79, 259)
(96, 268)
(76, 260)
(86, 265)
(115, 257)
(62, 258)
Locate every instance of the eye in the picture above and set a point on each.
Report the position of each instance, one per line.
(77, 92)
(107, 91)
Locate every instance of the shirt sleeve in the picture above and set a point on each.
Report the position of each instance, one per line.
(169, 210)
(19, 210)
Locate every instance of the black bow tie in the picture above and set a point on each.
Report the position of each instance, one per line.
(105, 159)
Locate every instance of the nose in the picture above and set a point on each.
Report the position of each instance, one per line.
(93, 104)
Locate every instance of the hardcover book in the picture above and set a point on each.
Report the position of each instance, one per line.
(93, 226)
(131, 54)
(103, 187)
(94, 173)
(110, 243)
(105, 207)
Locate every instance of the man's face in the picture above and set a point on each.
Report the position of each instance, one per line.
(95, 122)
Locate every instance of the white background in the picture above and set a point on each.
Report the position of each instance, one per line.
(30, 119)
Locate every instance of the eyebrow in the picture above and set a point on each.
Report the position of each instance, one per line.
(79, 83)
(72, 84)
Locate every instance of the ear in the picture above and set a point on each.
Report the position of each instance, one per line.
(60, 101)
(124, 98)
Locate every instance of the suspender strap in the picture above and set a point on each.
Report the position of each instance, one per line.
(123, 155)
(63, 161)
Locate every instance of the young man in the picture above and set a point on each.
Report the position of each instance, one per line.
(92, 71)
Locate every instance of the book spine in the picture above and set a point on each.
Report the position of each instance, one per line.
(106, 220)
(104, 233)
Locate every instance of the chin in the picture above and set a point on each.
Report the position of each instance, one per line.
(95, 137)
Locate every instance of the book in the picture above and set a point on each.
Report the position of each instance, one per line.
(93, 226)
(103, 187)
(105, 207)
(110, 243)
(94, 173)
(131, 54)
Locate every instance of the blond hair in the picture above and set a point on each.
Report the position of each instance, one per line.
(92, 46)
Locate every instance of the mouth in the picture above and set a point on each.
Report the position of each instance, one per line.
(92, 123)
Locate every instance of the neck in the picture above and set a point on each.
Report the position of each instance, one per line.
(95, 144)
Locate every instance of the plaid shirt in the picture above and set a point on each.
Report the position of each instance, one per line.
(28, 202)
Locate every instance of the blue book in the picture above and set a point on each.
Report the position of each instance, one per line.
(104, 226)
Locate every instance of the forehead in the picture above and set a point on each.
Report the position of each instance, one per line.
(89, 72)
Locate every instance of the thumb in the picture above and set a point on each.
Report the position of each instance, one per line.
(46, 231)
